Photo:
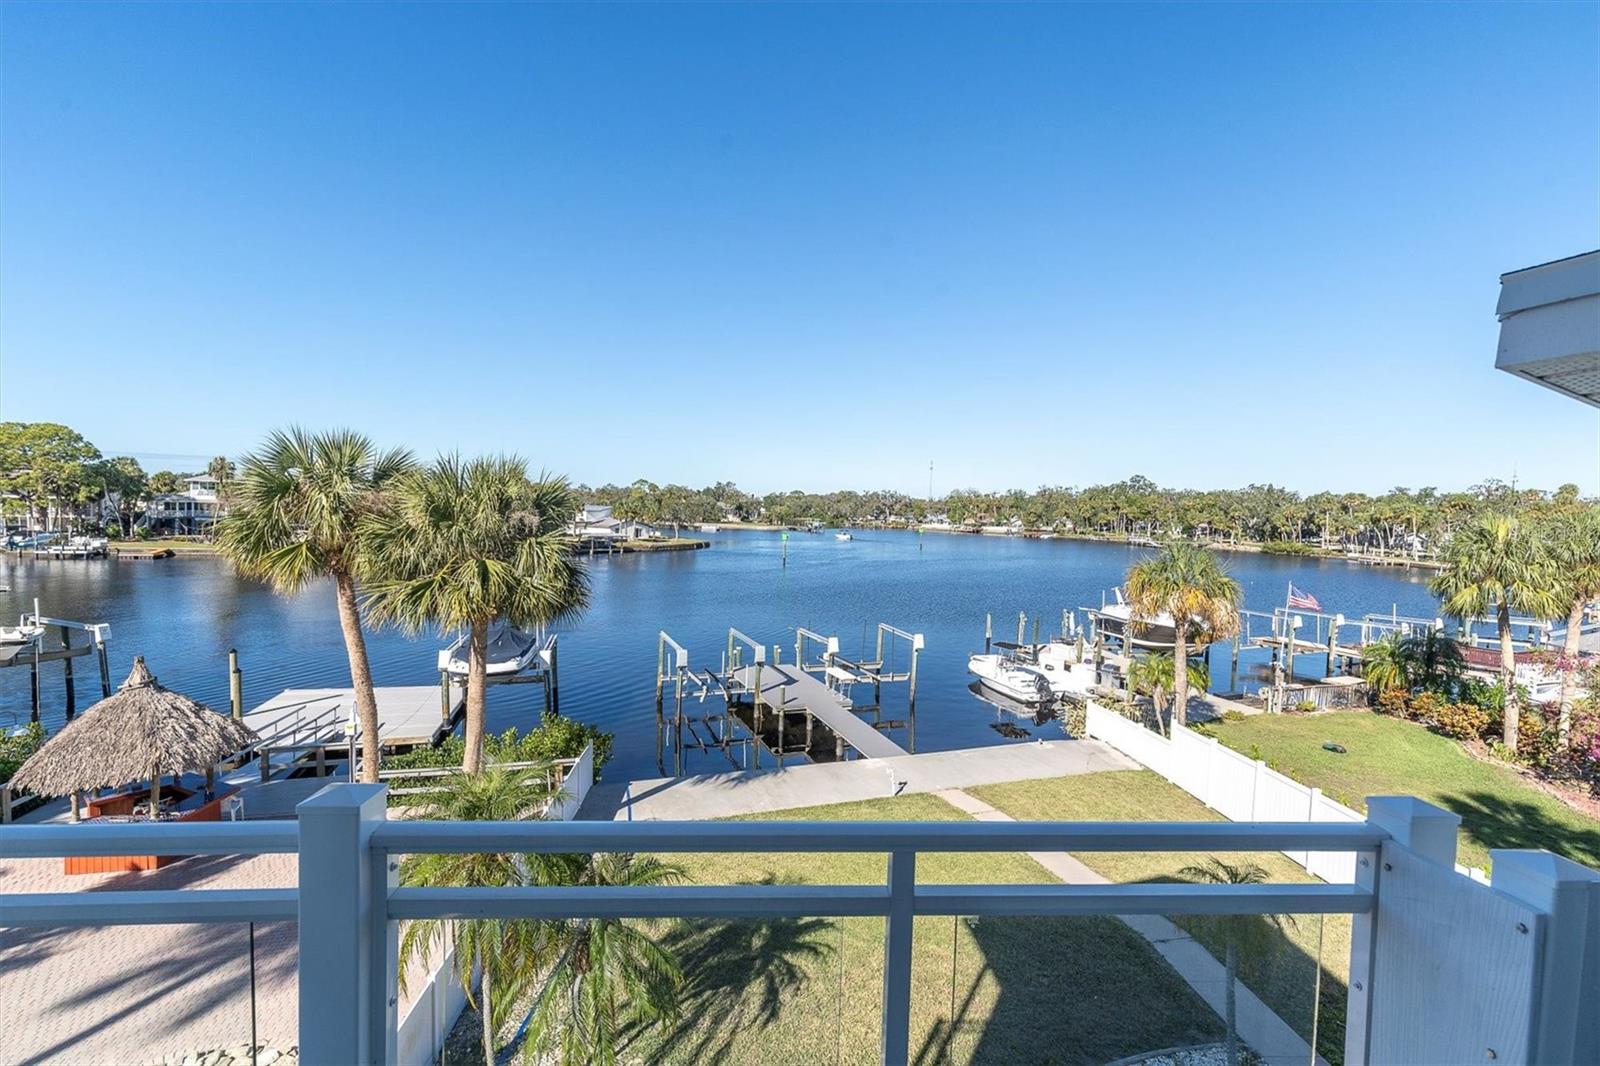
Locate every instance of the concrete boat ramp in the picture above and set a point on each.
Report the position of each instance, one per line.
(754, 791)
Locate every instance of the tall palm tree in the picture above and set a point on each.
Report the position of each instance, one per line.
(467, 542)
(1249, 931)
(1573, 538)
(505, 951)
(600, 975)
(1499, 564)
(296, 509)
(1152, 676)
(1187, 582)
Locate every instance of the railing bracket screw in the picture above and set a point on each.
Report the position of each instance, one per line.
(1388, 866)
(1522, 927)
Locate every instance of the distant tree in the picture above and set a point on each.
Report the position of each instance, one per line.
(1499, 564)
(164, 483)
(124, 487)
(44, 463)
(221, 470)
(1186, 582)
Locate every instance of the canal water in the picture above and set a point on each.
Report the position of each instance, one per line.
(183, 614)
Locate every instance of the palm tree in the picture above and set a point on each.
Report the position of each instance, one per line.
(1151, 675)
(600, 975)
(1498, 563)
(1185, 581)
(1429, 661)
(1386, 664)
(1239, 930)
(468, 542)
(505, 951)
(1573, 537)
(296, 508)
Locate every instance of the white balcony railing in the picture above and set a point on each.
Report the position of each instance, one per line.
(1442, 968)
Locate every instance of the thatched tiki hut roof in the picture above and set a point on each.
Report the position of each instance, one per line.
(140, 733)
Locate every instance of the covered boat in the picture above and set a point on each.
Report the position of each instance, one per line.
(510, 651)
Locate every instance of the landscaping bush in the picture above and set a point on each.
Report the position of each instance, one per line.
(1424, 706)
(1391, 701)
(554, 737)
(1464, 721)
(15, 750)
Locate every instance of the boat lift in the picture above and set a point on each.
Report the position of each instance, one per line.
(35, 652)
(541, 670)
(771, 706)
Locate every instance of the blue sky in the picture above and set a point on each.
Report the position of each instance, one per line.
(803, 246)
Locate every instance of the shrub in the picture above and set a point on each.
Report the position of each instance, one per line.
(555, 737)
(1074, 719)
(1464, 721)
(15, 750)
(1391, 701)
(1305, 706)
(1425, 705)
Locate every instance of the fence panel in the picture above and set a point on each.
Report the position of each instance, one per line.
(1239, 788)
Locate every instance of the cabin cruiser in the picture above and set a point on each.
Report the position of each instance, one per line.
(509, 651)
(1116, 620)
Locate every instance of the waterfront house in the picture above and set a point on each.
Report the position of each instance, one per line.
(596, 523)
(193, 510)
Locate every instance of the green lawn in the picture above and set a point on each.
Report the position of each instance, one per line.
(1280, 963)
(997, 990)
(1388, 756)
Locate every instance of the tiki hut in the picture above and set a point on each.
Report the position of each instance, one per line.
(141, 732)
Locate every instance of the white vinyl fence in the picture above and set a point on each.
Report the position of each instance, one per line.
(1239, 788)
(438, 1004)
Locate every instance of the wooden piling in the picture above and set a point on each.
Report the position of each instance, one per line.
(235, 685)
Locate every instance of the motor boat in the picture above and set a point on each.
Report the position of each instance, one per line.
(26, 631)
(843, 534)
(1116, 619)
(1009, 673)
(509, 651)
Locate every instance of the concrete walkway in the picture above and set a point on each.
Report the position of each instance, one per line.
(756, 791)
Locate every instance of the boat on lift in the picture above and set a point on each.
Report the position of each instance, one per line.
(510, 651)
(26, 631)
(1033, 673)
(1116, 619)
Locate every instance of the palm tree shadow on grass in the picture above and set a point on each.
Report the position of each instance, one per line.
(1498, 822)
(738, 975)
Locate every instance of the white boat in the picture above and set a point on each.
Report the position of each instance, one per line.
(1036, 673)
(26, 631)
(509, 651)
(843, 535)
(1116, 620)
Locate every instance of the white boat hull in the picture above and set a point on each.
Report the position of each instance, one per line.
(1024, 684)
(509, 652)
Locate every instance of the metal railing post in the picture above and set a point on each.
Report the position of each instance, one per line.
(347, 944)
(897, 958)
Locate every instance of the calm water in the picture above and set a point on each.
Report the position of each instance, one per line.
(184, 615)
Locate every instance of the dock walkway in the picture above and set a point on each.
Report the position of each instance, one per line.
(303, 718)
(804, 694)
(750, 792)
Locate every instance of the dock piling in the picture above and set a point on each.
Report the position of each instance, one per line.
(235, 685)
(66, 664)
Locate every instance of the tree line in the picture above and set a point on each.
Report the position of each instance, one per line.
(50, 474)
(1398, 520)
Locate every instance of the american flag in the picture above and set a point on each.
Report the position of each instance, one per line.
(1302, 599)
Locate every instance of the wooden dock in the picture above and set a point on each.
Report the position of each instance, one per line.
(143, 553)
(301, 721)
(803, 694)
